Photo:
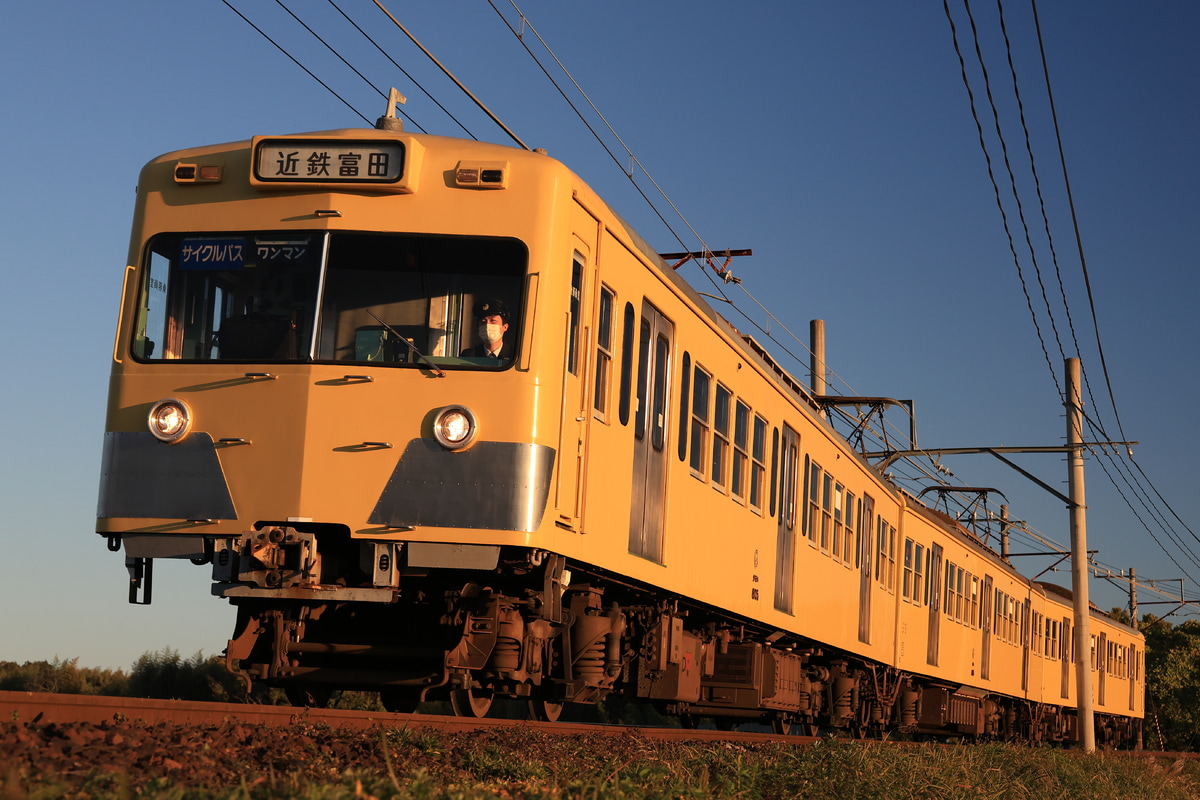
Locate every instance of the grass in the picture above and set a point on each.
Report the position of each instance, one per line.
(523, 763)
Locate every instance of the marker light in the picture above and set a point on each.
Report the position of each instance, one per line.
(170, 420)
(454, 427)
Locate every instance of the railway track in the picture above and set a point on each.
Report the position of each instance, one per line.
(62, 709)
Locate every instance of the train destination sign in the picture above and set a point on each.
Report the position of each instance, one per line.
(325, 161)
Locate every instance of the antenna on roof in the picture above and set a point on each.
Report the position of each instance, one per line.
(389, 121)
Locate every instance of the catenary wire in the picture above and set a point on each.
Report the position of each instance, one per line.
(297, 62)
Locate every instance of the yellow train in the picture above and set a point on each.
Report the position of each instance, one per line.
(445, 427)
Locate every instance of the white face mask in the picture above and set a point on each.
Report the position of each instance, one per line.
(491, 333)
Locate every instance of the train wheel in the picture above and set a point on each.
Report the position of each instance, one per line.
(545, 710)
(470, 702)
(308, 695)
(781, 724)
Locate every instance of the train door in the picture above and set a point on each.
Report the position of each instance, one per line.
(785, 537)
(1023, 615)
(574, 414)
(862, 552)
(1065, 645)
(1131, 674)
(655, 344)
(1101, 666)
(985, 624)
(935, 604)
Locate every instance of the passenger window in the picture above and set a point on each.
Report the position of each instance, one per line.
(720, 453)
(685, 386)
(604, 353)
(701, 421)
(626, 363)
(573, 320)
(639, 427)
(758, 468)
(662, 371)
(741, 445)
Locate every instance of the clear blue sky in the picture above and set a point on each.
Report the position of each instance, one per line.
(835, 139)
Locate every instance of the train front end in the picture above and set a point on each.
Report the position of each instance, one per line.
(321, 391)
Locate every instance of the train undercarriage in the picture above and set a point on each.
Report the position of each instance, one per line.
(530, 629)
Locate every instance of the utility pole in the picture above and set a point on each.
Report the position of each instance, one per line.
(1133, 598)
(1079, 561)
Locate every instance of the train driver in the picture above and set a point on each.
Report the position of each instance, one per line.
(493, 324)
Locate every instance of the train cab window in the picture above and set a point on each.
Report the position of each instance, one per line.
(701, 421)
(604, 353)
(391, 299)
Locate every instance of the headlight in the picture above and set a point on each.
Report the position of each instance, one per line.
(454, 427)
(170, 420)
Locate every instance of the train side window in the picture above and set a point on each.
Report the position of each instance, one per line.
(685, 392)
(826, 511)
(906, 582)
(639, 426)
(573, 321)
(662, 374)
(839, 521)
(885, 555)
(758, 467)
(918, 595)
(788, 481)
(851, 513)
(604, 353)
(626, 364)
(741, 455)
(720, 444)
(814, 521)
(862, 542)
(774, 468)
(701, 421)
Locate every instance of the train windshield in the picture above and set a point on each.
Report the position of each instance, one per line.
(370, 298)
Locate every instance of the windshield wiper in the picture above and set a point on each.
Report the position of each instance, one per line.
(432, 367)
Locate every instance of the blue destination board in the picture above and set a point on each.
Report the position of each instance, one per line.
(211, 253)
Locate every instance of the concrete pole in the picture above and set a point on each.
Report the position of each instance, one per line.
(816, 335)
(1133, 598)
(1079, 563)
(1004, 534)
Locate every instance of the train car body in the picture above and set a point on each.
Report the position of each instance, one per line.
(632, 498)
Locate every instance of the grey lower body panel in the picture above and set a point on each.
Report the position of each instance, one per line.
(494, 485)
(144, 478)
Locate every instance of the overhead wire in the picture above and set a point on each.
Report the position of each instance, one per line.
(296, 61)
(404, 72)
(1103, 453)
(923, 474)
